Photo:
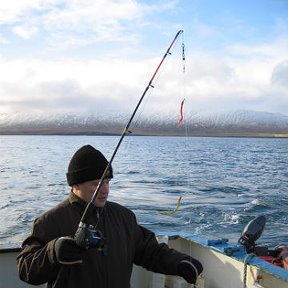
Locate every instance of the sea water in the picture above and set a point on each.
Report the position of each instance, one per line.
(224, 182)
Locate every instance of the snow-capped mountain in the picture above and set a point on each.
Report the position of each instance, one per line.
(240, 122)
(241, 119)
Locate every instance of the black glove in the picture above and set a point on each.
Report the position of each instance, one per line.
(67, 251)
(190, 269)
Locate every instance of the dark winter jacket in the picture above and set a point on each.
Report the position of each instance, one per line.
(127, 243)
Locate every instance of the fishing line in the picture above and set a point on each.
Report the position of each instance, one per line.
(186, 121)
(86, 236)
(144, 104)
(181, 119)
(183, 54)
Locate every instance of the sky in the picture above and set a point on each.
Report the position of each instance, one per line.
(97, 56)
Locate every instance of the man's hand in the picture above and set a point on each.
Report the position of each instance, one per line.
(283, 256)
(190, 269)
(67, 252)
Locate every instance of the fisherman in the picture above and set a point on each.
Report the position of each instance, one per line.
(50, 254)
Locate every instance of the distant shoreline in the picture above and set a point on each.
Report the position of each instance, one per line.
(190, 134)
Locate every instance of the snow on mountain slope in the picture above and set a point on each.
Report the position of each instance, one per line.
(241, 121)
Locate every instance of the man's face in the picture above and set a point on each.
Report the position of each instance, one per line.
(86, 190)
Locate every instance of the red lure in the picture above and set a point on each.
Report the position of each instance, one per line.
(180, 120)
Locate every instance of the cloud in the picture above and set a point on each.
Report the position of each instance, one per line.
(104, 71)
(98, 15)
(62, 25)
(3, 40)
(25, 32)
(84, 21)
(230, 81)
(280, 74)
(11, 11)
(70, 85)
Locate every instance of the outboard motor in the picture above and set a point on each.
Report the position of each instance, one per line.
(252, 231)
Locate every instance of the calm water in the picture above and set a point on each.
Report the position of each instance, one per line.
(224, 182)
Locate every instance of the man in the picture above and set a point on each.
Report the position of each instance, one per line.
(50, 254)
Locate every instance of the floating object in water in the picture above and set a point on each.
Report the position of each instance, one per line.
(177, 207)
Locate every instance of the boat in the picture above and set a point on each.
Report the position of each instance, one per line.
(226, 265)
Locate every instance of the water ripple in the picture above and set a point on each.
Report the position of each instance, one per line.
(224, 182)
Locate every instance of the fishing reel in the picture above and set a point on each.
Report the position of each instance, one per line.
(88, 237)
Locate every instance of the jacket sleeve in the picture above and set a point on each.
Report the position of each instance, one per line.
(36, 263)
(154, 256)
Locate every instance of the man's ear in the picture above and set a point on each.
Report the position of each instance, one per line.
(75, 187)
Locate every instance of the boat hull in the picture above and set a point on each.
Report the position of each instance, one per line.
(220, 270)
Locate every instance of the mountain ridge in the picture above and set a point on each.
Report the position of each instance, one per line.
(244, 123)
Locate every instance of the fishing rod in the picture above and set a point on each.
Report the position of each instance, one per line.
(86, 235)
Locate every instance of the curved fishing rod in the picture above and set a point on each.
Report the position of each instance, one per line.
(85, 233)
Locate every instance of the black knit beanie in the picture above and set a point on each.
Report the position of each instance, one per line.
(87, 164)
